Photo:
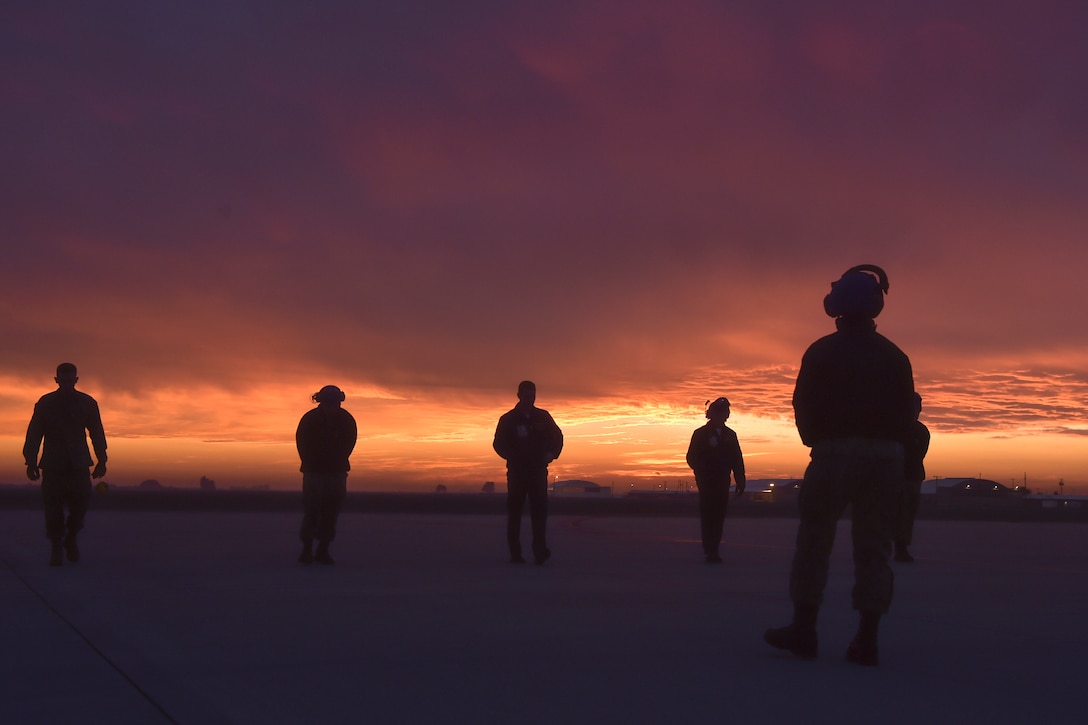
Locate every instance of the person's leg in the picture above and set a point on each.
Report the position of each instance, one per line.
(712, 507)
(77, 497)
(515, 501)
(538, 515)
(876, 497)
(821, 502)
(310, 507)
(330, 501)
(53, 505)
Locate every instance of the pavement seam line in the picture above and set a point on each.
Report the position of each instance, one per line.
(94, 648)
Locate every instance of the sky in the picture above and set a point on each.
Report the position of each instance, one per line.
(215, 208)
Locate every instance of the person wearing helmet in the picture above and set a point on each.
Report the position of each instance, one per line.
(714, 454)
(325, 438)
(853, 404)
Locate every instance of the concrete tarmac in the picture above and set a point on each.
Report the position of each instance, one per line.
(205, 617)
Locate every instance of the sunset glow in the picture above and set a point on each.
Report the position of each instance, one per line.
(638, 206)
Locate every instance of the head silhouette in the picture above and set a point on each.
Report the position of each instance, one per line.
(526, 393)
(858, 294)
(718, 410)
(329, 395)
(66, 375)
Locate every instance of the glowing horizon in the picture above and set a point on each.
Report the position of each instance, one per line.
(247, 440)
(214, 213)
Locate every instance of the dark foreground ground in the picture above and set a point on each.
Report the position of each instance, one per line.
(204, 617)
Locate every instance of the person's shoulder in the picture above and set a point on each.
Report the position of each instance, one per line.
(893, 350)
(833, 338)
(827, 339)
(65, 397)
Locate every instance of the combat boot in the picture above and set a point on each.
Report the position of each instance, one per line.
(70, 548)
(862, 652)
(801, 642)
(322, 554)
(307, 555)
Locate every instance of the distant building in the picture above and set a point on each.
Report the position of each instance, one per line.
(770, 490)
(961, 487)
(489, 487)
(206, 484)
(150, 484)
(577, 488)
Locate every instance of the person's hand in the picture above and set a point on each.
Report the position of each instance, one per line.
(99, 470)
(33, 473)
(740, 489)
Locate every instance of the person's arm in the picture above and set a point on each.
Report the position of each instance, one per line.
(738, 467)
(98, 441)
(352, 430)
(302, 439)
(556, 446)
(34, 433)
(501, 443)
(694, 450)
(805, 406)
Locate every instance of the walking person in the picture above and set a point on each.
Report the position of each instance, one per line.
(325, 438)
(528, 438)
(713, 454)
(62, 420)
(853, 405)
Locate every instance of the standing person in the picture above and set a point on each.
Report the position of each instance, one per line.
(852, 404)
(916, 447)
(63, 419)
(529, 440)
(714, 453)
(325, 438)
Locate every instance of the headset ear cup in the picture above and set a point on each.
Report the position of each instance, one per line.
(829, 304)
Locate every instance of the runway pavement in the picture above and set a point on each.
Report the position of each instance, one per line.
(205, 617)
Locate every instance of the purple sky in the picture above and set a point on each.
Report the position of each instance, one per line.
(214, 208)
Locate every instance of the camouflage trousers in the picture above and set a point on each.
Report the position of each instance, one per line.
(867, 476)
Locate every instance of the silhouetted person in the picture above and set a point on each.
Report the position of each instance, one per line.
(529, 440)
(853, 405)
(63, 419)
(325, 438)
(915, 449)
(714, 454)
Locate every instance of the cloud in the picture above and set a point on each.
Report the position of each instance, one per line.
(626, 202)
